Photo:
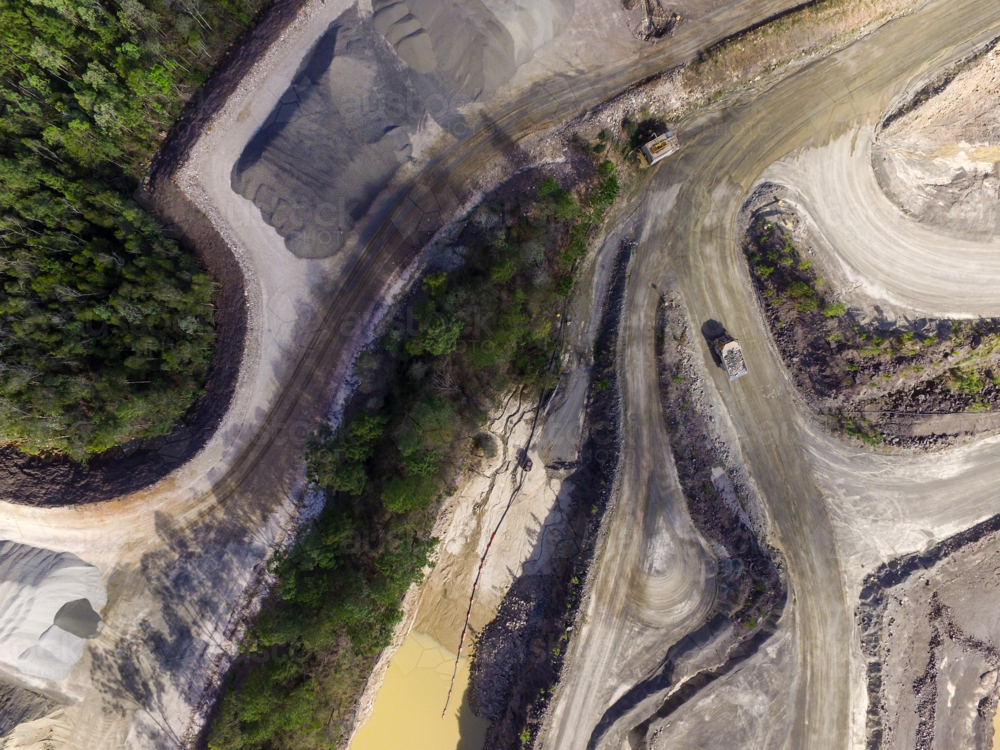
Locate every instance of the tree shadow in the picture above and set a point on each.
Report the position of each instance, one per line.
(711, 330)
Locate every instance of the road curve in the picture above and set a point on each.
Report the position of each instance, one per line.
(207, 526)
(893, 258)
(147, 543)
(725, 153)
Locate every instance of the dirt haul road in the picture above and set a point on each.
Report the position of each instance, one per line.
(176, 559)
(836, 510)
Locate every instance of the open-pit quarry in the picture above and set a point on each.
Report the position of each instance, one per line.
(643, 553)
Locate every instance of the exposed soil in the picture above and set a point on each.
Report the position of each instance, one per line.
(936, 156)
(903, 383)
(752, 596)
(519, 654)
(933, 650)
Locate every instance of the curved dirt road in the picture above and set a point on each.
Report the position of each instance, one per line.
(177, 558)
(823, 496)
(891, 257)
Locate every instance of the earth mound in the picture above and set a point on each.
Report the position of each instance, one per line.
(940, 161)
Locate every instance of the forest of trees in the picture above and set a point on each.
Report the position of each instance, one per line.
(106, 327)
(468, 337)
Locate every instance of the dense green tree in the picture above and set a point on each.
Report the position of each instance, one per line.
(105, 325)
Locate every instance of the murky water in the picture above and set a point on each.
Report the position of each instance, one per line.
(407, 713)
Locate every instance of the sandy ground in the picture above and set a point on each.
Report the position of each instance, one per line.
(837, 511)
(939, 162)
(178, 560)
(439, 609)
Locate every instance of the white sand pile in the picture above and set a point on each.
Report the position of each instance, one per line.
(47, 609)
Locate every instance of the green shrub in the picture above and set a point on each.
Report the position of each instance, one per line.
(564, 285)
(763, 271)
(409, 493)
(607, 191)
(800, 290)
(835, 310)
(503, 271)
(965, 381)
(557, 201)
(338, 592)
(439, 335)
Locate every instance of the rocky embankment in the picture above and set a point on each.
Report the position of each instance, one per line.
(937, 158)
(519, 655)
(931, 648)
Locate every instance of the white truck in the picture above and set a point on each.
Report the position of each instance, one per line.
(731, 354)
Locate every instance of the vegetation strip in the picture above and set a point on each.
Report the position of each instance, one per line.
(480, 325)
(105, 325)
(870, 380)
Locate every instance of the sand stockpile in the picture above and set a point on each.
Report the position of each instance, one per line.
(48, 607)
(343, 128)
(339, 133)
(468, 49)
(941, 162)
